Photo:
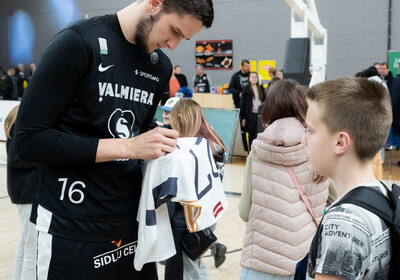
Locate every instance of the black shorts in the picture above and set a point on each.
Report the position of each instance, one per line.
(60, 258)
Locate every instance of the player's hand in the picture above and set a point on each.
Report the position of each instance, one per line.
(243, 123)
(153, 144)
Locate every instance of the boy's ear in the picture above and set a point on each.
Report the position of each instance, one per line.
(154, 6)
(343, 142)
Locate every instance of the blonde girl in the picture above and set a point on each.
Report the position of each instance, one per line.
(188, 119)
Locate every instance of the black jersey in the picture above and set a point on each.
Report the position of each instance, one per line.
(90, 84)
(202, 84)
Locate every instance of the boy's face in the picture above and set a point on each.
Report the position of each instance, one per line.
(167, 117)
(319, 143)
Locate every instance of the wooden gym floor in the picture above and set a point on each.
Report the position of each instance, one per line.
(230, 229)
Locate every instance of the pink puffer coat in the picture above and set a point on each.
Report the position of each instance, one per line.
(280, 229)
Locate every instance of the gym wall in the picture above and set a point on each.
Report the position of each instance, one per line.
(259, 30)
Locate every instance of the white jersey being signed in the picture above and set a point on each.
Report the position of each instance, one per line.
(188, 176)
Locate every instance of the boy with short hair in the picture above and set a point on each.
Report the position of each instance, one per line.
(348, 122)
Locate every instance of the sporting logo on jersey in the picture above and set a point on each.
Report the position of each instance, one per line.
(154, 57)
(103, 46)
(104, 69)
(146, 75)
(120, 124)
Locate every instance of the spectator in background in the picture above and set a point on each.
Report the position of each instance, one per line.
(361, 74)
(260, 125)
(253, 96)
(378, 67)
(201, 81)
(272, 72)
(280, 74)
(181, 77)
(171, 89)
(14, 84)
(174, 85)
(33, 68)
(22, 180)
(21, 83)
(239, 80)
(25, 79)
(5, 83)
(373, 75)
(273, 80)
(395, 98)
(21, 71)
(386, 75)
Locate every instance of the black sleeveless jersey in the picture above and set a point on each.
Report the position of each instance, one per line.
(90, 84)
(202, 84)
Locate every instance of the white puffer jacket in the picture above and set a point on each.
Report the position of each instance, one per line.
(280, 229)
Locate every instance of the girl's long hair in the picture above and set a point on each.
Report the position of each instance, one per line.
(10, 120)
(259, 88)
(188, 119)
(285, 98)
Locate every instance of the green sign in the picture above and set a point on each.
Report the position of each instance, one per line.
(394, 61)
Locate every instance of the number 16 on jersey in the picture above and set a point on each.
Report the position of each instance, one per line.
(75, 195)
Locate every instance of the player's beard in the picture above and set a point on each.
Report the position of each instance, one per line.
(143, 29)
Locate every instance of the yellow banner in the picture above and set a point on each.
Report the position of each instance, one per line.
(263, 66)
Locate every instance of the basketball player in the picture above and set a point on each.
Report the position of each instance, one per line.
(84, 119)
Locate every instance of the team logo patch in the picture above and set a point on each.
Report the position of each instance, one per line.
(120, 124)
(154, 57)
(103, 46)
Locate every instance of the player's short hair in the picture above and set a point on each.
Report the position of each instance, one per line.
(203, 10)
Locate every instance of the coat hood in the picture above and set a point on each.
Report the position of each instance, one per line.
(280, 143)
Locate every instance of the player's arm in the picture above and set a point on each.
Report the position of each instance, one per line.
(150, 145)
(38, 138)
